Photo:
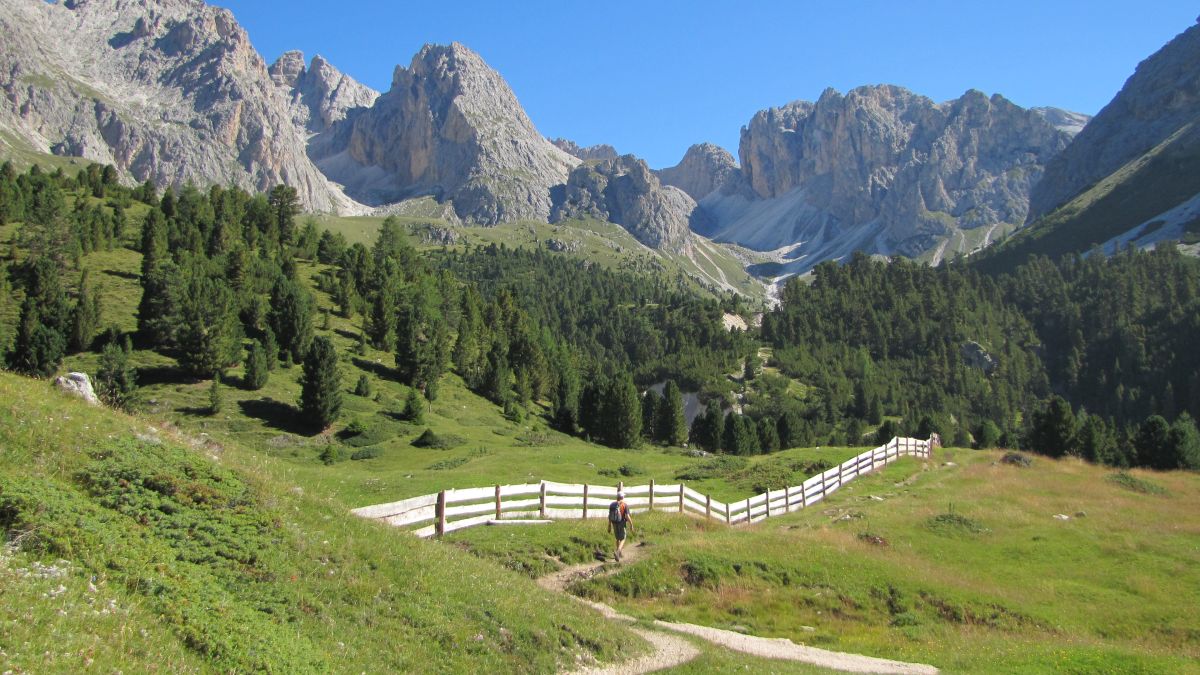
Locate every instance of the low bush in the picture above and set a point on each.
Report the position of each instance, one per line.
(1130, 482)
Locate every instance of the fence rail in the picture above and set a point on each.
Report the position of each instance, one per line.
(449, 510)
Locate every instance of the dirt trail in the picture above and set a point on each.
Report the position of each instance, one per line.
(670, 650)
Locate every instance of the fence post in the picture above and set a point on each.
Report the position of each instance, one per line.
(729, 513)
(787, 499)
(542, 501)
(681, 496)
(651, 494)
(497, 502)
(707, 507)
(585, 496)
(768, 502)
(803, 496)
(748, 519)
(440, 509)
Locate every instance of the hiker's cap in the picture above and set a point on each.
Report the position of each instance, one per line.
(620, 495)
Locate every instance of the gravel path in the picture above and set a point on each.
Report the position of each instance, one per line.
(672, 650)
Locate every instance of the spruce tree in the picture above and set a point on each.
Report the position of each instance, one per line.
(41, 338)
(671, 427)
(1052, 431)
(257, 371)
(216, 397)
(414, 407)
(116, 379)
(651, 404)
(290, 318)
(622, 413)
(85, 317)
(208, 334)
(321, 384)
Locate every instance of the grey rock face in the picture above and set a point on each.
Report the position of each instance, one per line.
(704, 168)
(77, 384)
(1160, 98)
(320, 94)
(449, 127)
(625, 191)
(601, 151)
(169, 90)
(883, 169)
(1064, 120)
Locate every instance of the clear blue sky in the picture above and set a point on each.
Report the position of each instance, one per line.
(651, 78)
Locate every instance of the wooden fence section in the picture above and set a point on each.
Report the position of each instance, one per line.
(451, 510)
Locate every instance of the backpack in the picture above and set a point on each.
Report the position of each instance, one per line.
(615, 515)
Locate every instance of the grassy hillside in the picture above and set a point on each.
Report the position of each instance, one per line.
(960, 564)
(138, 548)
(1159, 180)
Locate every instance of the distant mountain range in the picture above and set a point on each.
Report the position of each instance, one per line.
(172, 90)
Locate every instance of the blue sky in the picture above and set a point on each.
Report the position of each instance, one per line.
(652, 78)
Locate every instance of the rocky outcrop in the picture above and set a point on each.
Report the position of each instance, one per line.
(1064, 120)
(170, 90)
(601, 151)
(1158, 100)
(704, 168)
(625, 191)
(320, 94)
(449, 127)
(881, 169)
(77, 384)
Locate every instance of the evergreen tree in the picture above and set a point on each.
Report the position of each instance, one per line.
(291, 318)
(651, 406)
(270, 350)
(41, 338)
(1152, 444)
(741, 436)
(1184, 442)
(116, 379)
(414, 407)
(216, 397)
(791, 429)
(1052, 431)
(257, 370)
(768, 435)
(85, 317)
(621, 411)
(1095, 441)
(321, 384)
(158, 310)
(6, 308)
(208, 334)
(363, 386)
(988, 435)
(285, 204)
(886, 432)
(671, 426)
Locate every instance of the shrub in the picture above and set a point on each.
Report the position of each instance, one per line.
(331, 454)
(428, 439)
(1017, 459)
(954, 524)
(1131, 482)
(365, 453)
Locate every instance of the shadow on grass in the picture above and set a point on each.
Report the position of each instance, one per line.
(348, 334)
(276, 415)
(378, 369)
(147, 375)
(133, 276)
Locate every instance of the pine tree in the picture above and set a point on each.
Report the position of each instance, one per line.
(1052, 431)
(257, 371)
(291, 318)
(208, 334)
(1152, 444)
(414, 407)
(622, 413)
(285, 204)
(321, 384)
(216, 397)
(85, 317)
(768, 434)
(651, 405)
(6, 308)
(671, 426)
(41, 338)
(363, 386)
(116, 379)
(1184, 442)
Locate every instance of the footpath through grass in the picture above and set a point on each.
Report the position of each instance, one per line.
(961, 565)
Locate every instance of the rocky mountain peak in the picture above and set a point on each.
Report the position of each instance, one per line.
(704, 168)
(1064, 120)
(449, 127)
(625, 191)
(320, 94)
(601, 151)
(1158, 100)
(170, 90)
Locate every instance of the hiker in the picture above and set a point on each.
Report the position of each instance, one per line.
(618, 518)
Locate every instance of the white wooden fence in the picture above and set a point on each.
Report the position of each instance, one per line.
(450, 510)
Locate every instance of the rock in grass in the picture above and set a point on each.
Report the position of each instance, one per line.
(78, 384)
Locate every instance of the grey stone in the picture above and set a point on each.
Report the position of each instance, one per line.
(77, 384)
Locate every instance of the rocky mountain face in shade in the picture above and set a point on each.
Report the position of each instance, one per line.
(624, 190)
(320, 94)
(601, 151)
(169, 90)
(448, 127)
(1161, 98)
(704, 168)
(884, 170)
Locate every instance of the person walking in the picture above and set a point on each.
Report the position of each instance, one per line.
(618, 519)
